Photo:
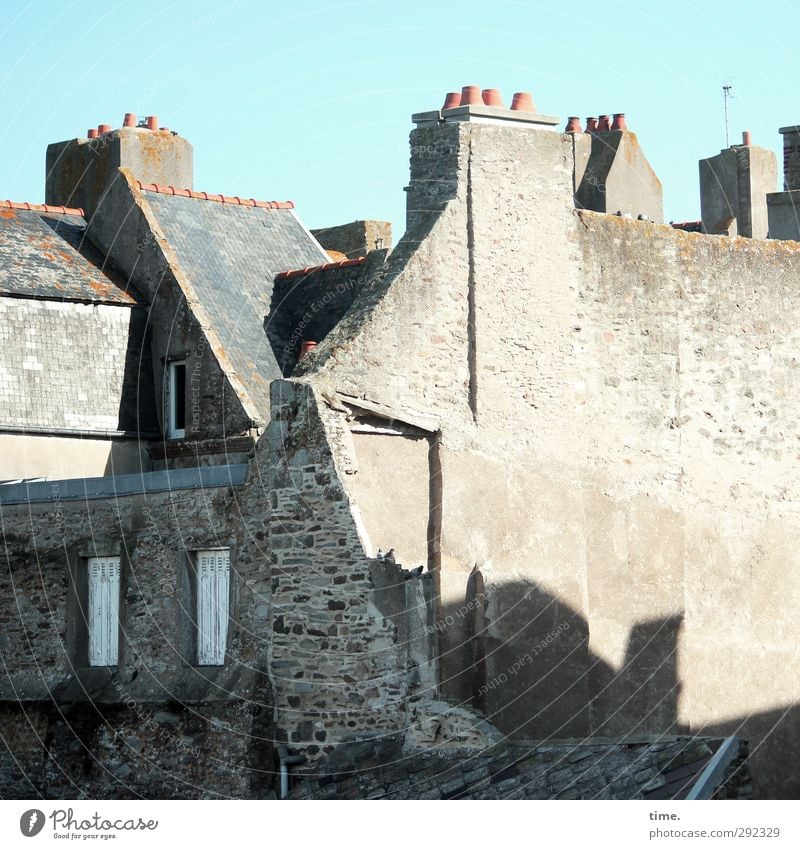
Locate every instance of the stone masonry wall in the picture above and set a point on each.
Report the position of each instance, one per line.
(357, 238)
(155, 725)
(616, 401)
(336, 661)
(307, 307)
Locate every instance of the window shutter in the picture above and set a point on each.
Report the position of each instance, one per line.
(213, 582)
(103, 604)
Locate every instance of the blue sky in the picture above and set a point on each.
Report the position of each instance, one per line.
(311, 101)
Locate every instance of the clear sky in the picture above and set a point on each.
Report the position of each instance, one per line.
(311, 100)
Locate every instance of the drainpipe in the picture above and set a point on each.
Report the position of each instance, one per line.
(287, 760)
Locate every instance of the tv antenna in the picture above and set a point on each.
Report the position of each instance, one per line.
(727, 94)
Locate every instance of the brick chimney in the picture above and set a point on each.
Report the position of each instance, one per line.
(80, 170)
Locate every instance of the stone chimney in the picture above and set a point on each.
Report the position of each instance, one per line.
(80, 170)
(733, 190)
(440, 145)
(612, 173)
(784, 207)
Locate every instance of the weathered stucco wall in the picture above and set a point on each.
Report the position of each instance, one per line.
(58, 458)
(395, 509)
(615, 401)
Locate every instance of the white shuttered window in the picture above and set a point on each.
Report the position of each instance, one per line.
(213, 582)
(103, 606)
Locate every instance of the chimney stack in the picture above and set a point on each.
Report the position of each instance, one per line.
(734, 186)
(791, 158)
(782, 206)
(80, 170)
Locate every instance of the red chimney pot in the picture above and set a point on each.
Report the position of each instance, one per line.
(152, 122)
(619, 121)
(92, 134)
(603, 125)
(103, 128)
(591, 125)
(306, 348)
(747, 138)
(451, 100)
(573, 125)
(492, 97)
(130, 120)
(471, 95)
(522, 102)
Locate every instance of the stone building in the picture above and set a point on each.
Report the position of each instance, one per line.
(576, 420)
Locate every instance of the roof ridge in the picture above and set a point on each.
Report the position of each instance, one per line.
(42, 207)
(188, 193)
(283, 275)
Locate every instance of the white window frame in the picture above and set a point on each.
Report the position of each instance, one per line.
(103, 608)
(213, 578)
(172, 401)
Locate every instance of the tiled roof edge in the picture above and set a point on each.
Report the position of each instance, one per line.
(41, 207)
(188, 193)
(284, 275)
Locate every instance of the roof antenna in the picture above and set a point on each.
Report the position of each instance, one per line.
(726, 96)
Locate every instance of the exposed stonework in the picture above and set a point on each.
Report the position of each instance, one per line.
(357, 238)
(336, 661)
(80, 170)
(156, 725)
(578, 425)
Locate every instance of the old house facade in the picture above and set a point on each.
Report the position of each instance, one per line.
(580, 424)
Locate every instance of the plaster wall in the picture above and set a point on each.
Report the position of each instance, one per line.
(57, 457)
(616, 404)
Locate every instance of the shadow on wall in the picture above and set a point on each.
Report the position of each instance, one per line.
(523, 657)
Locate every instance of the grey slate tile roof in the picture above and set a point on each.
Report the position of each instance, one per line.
(231, 253)
(379, 768)
(44, 255)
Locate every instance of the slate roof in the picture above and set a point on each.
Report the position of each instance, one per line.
(230, 253)
(379, 768)
(46, 255)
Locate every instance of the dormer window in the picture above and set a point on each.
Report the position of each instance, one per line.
(176, 400)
